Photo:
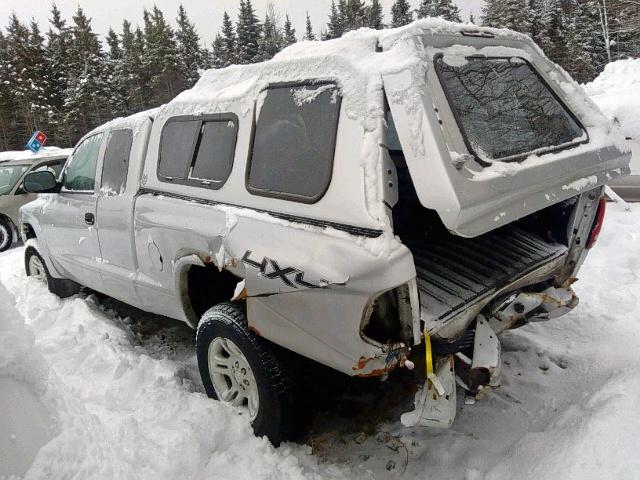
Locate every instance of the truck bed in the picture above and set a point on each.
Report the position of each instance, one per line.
(454, 272)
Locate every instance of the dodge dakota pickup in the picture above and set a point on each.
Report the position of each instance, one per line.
(386, 200)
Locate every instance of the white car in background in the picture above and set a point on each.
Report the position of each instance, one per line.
(13, 167)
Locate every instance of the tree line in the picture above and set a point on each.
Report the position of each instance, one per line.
(67, 81)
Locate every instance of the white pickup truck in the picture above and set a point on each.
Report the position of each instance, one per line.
(389, 199)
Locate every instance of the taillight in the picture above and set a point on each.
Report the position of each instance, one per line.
(597, 223)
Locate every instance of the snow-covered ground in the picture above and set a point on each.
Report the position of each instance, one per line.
(617, 92)
(117, 395)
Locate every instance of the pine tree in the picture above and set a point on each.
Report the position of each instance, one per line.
(512, 14)
(58, 44)
(190, 52)
(335, 26)
(427, 9)
(401, 13)
(6, 96)
(28, 72)
(86, 98)
(586, 47)
(374, 15)
(354, 14)
(447, 10)
(227, 53)
(161, 59)
(38, 76)
(272, 39)
(308, 34)
(248, 30)
(134, 81)
(289, 33)
(116, 77)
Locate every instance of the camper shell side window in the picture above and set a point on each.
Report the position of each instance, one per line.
(294, 141)
(198, 151)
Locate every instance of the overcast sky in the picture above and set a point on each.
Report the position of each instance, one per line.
(206, 14)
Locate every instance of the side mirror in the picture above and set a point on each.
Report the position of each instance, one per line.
(42, 181)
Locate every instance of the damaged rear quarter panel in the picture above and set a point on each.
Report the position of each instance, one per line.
(306, 295)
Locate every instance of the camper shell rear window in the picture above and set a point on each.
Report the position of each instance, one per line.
(504, 108)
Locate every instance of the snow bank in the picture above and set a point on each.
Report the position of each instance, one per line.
(123, 409)
(45, 152)
(25, 424)
(617, 92)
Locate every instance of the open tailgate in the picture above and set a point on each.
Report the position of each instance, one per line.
(452, 174)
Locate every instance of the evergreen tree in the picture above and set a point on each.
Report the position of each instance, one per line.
(272, 39)
(447, 10)
(353, 13)
(427, 9)
(227, 53)
(335, 26)
(401, 13)
(116, 77)
(58, 44)
(189, 50)
(217, 51)
(289, 33)
(135, 80)
(248, 30)
(586, 47)
(308, 34)
(161, 59)
(374, 15)
(87, 95)
(512, 14)
(38, 76)
(6, 96)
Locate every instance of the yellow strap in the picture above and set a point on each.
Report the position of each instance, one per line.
(428, 353)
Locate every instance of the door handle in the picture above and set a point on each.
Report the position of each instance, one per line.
(89, 218)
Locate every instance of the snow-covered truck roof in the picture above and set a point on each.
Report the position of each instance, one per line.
(354, 61)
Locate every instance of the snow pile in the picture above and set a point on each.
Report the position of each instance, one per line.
(617, 92)
(24, 421)
(123, 410)
(45, 152)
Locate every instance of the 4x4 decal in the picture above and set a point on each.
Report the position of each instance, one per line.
(290, 276)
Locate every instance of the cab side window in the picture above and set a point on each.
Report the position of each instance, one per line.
(116, 161)
(294, 141)
(198, 151)
(80, 175)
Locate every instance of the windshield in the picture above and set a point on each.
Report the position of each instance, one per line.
(504, 108)
(9, 176)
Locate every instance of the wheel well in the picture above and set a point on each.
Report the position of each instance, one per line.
(28, 231)
(208, 286)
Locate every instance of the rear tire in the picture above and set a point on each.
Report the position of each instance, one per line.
(224, 328)
(35, 266)
(6, 235)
